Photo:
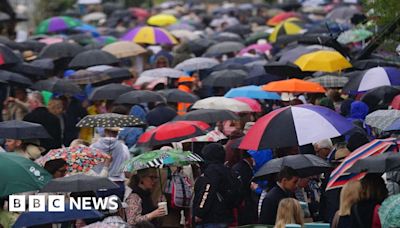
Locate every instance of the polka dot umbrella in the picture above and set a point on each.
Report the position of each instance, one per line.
(110, 120)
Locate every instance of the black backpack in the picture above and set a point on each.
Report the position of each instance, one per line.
(230, 191)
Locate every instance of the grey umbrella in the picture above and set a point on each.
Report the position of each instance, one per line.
(57, 85)
(331, 81)
(195, 64)
(163, 72)
(381, 163)
(224, 48)
(226, 36)
(15, 79)
(176, 95)
(92, 58)
(16, 129)
(78, 183)
(60, 50)
(109, 92)
(342, 13)
(208, 115)
(293, 54)
(139, 96)
(225, 78)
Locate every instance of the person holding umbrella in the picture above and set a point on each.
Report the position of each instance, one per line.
(26, 148)
(15, 108)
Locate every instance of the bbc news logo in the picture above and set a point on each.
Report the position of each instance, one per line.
(57, 203)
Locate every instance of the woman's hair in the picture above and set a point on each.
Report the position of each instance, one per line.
(136, 178)
(53, 165)
(349, 195)
(289, 212)
(373, 188)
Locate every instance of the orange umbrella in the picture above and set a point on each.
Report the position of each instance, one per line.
(294, 86)
(281, 17)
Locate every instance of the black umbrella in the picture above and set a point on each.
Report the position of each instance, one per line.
(380, 98)
(109, 92)
(7, 56)
(110, 120)
(258, 76)
(223, 48)
(225, 78)
(176, 95)
(92, 58)
(305, 164)
(381, 163)
(16, 129)
(241, 30)
(60, 50)
(100, 75)
(78, 183)
(285, 70)
(365, 64)
(15, 79)
(208, 115)
(199, 46)
(82, 39)
(32, 45)
(57, 85)
(226, 36)
(139, 96)
(38, 69)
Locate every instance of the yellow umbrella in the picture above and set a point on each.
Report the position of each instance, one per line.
(323, 60)
(162, 20)
(290, 26)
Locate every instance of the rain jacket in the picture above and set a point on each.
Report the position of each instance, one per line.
(130, 135)
(183, 107)
(358, 112)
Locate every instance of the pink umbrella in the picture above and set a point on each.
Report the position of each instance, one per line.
(396, 102)
(253, 104)
(51, 40)
(259, 48)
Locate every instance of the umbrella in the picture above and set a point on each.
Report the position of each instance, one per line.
(7, 56)
(394, 126)
(161, 158)
(325, 61)
(292, 54)
(330, 81)
(109, 92)
(382, 119)
(195, 64)
(60, 50)
(100, 75)
(163, 72)
(211, 136)
(78, 183)
(28, 219)
(57, 85)
(240, 29)
(208, 115)
(380, 97)
(110, 120)
(365, 64)
(381, 163)
(172, 132)
(51, 40)
(354, 35)
(295, 125)
(375, 77)
(140, 13)
(15, 79)
(254, 37)
(162, 20)
(225, 78)
(56, 24)
(223, 48)
(149, 35)
(139, 96)
(19, 174)
(288, 27)
(285, 70)
(294, 86)
(342, 13)
(226, 36)
(200, 45)
(222, 103)
(123, 49)
(105, 40)
(79, 158)
(389, 213)
(95, 16)
(181, 26)
(229, 21)
(253, 104)
(280, 17)
(92, 58)
(185, 34)
(259, 48)
(176, 95)
(87, 28)
(305, 164)
(17, 129)
(252, 92)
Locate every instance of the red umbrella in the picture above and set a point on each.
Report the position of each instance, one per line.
(253, 104)
(173, 132)
(139, 12)
(281, 17)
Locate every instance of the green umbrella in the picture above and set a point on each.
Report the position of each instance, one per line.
(19, 174)
(354, 35)
(389, 212)
(161, 158)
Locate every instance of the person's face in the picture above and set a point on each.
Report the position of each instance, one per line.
(290, 184)
(149, 181)
(323, 152)
(33, 104)
(61, 172)
(12, 144)
(161, 62)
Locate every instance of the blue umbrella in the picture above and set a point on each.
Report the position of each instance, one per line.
(88, 28)
(27, 219)
(252, 92)
(395, 126)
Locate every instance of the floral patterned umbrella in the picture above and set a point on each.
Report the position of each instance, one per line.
(79, 158)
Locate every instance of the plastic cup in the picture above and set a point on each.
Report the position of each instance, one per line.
(164, 206)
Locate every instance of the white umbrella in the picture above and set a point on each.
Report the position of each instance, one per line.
(162, 72)
(222, 103)
(96, 16)
(198, 63)
(89, 2)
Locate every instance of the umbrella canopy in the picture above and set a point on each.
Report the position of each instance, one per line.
(163, 72)
(325, 61)
(342, 13)
(224, 48)
(161, 158)
(208, 115)
(78, 183)
(60, 50)
(79, 158)
(226, 36)
(195, 64)
(20, 174)
(382, 119)
(330, 81)
(375, 77)
(252, 92)
(354, 35)
(211, 136)
(176, 95)
(92, 58)
(109, 92)
(162, 20)
(294, 86)
(381, 163)
(110, 120)
(7, 56)
(14, 79)
(124, 49)
(17, 129)
(290, 55)
(288, 27)
(100, 75)
(253, 104)
(305, 164)
(280, 17)
(139, 96)
(394, 126)
(222, 103)
(149, 35)
(105, 40)
(172, 132)
(258, 48)
(185, 34)
(181, 26)
(57, 85)
(295, 125)
(389, 212)
(285, 70)
(380, 97)
(57, 24)
(95, 16)
(225, 78)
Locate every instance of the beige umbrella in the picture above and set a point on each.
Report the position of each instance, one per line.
(222, 103)
(123, 49)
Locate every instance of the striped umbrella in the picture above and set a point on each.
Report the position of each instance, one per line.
(149, 35)
(57, 24)
(290, 26)
(339, 177)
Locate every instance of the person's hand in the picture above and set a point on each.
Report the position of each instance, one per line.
(9, 100)
(159, 212)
